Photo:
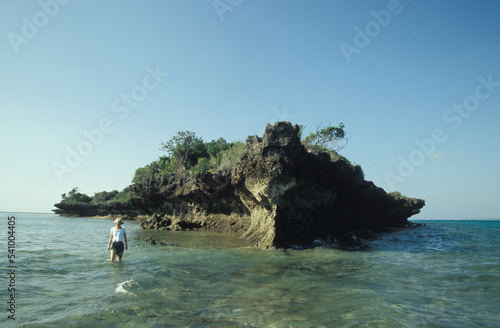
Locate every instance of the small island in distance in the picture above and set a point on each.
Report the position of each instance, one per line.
(278, 191)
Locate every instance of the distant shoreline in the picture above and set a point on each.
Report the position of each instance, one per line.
(21, 212)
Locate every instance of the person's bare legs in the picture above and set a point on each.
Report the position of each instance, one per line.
(113, 255)
(118, 258)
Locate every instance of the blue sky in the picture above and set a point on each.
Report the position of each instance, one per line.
(90, 89)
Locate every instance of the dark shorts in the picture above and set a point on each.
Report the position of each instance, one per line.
(119, 247)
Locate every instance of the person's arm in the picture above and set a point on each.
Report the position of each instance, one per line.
(126, 242)
(110, 240)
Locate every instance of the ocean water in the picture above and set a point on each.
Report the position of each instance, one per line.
(446, 274)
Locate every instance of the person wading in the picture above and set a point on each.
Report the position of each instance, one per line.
(119, 239)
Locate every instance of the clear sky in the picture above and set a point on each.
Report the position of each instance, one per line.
(90, 89)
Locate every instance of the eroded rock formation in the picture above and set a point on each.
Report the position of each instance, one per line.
(279, 195)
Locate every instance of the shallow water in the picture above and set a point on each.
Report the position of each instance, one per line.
(445, 274)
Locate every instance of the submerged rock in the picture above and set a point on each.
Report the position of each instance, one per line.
(150, 240)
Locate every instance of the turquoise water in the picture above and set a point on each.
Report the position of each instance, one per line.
(446, 274)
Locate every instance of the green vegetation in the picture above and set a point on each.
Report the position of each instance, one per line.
(330, 140)
(397, 195)
(75, 197)
(327, 138)
(186, 148)
(103, 197)
(188, 154)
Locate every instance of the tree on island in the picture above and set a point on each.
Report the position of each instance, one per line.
(104, 197)
(75, 196)
(188, 154)
(327, 138)
(186, 147)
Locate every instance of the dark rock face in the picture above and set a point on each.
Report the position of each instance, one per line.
(288, 191)
(295, 196)
(279, 195)
(204, 201)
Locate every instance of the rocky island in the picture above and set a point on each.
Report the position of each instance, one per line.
(279, 194)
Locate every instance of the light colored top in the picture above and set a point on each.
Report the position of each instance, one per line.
(118, 234)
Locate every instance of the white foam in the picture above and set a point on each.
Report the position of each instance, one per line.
(120, 288)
